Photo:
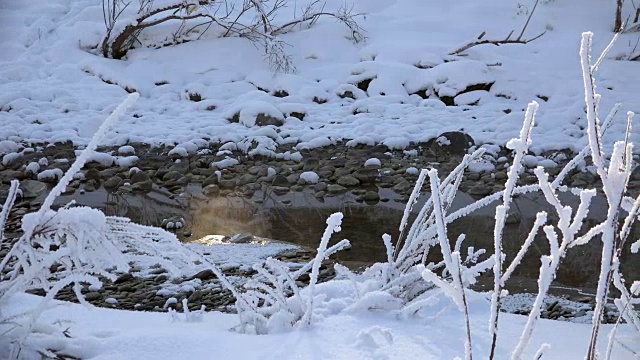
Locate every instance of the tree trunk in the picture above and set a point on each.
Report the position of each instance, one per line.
(618, 24)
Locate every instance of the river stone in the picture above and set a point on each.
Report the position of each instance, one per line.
(206, 274)
(32, 188)
(139, 176)
(480, 189)
(211, 190)
(310, 164)
(348, 180)
(172, 175)
(320, 194)
(452, 142)
(181, 167)
(146, 185)
(338, 162)
(264, 120)
(280, 180)
(366, 175)
(343, 171)
(280, 190)
(402, 186)
(195, 296)
(90, 186)
(92, 296)
(160, 278)
(211, 180)
(124, 278)
(92, 174)
(500, 175)
(336, 189)
(321, 186)
(293, 178)
(113, 182)
(371, 196)
(227, 184)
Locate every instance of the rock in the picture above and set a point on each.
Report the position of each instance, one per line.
(338, 162)
(181, 167)
(480, 189)
(264, 120)
(7, 175)
(211, 180)
(500, 175)
(320, 194)
(310, 164)
(371, 196)
(247, 179)
(90, 186)
(452, 142)
(146, 185)
(366, 176)
(113, 182)
(336, 189)
(211, 190)
(280, 180)
(227, 184)
(348, 180)
(161, 278)
(402, 186)
(92, 174)
(124, 278)
(280, 190)
(110, 172)
(172, 175)
(32, 188)
(342, 171)
(195, 296)
(321, 186)
(92, 296)
(204, 275)
(139, 177)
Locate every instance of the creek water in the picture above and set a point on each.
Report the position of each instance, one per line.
(299, 218)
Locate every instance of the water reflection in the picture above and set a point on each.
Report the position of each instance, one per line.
(299, 217)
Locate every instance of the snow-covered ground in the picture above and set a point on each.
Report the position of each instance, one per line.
(52, 88)
(339, 332)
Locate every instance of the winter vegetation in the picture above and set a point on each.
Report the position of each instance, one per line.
(82, 244)
(250, 19)
(409, 305)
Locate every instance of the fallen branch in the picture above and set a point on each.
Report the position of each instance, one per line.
(507, 40)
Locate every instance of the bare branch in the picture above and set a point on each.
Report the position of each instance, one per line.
(506, 40)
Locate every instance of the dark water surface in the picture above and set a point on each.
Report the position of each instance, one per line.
(299, 217)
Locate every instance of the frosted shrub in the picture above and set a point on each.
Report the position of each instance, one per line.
(259, 21)
(272, 302)
(71, 247)
(430, 227)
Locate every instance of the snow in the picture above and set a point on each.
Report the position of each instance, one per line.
(106, 334)
(54, 88)
(126, 150)
(412, 170)
(50, 174)
(373, 162)
(10, 157)
(309, 177)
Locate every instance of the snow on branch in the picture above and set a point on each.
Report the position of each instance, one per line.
(254, 20)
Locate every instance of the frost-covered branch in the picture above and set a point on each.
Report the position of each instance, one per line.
(521, 147)
(254, 20)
